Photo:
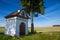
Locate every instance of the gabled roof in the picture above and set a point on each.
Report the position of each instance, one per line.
(13, 14)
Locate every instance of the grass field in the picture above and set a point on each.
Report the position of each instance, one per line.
(46, 29)
(2, 29)
(43, 33)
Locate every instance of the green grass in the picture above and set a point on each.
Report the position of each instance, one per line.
(42, 34)
(37, 36)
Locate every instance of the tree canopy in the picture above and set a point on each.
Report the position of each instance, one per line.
(33, 5)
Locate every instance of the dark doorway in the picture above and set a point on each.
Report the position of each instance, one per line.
(22, 29)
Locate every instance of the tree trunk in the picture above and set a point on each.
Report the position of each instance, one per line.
(32, 24)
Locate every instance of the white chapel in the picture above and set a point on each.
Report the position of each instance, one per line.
(16, 23)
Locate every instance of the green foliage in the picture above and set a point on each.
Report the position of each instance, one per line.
(33, 5)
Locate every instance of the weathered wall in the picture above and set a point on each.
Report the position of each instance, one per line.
(10, 28)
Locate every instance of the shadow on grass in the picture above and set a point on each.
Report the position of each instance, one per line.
(35, 32)
(1, 33)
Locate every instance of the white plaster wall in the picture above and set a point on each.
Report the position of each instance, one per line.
(17, 27)
(10, 28)
(18, 22)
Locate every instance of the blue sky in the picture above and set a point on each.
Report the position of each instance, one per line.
(51, 16)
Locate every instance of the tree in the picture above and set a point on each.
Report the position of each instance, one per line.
(33, 6)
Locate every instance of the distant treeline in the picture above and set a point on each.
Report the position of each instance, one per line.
(56, 25)
(2, 27)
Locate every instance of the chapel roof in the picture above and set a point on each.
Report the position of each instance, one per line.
(13, 14)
